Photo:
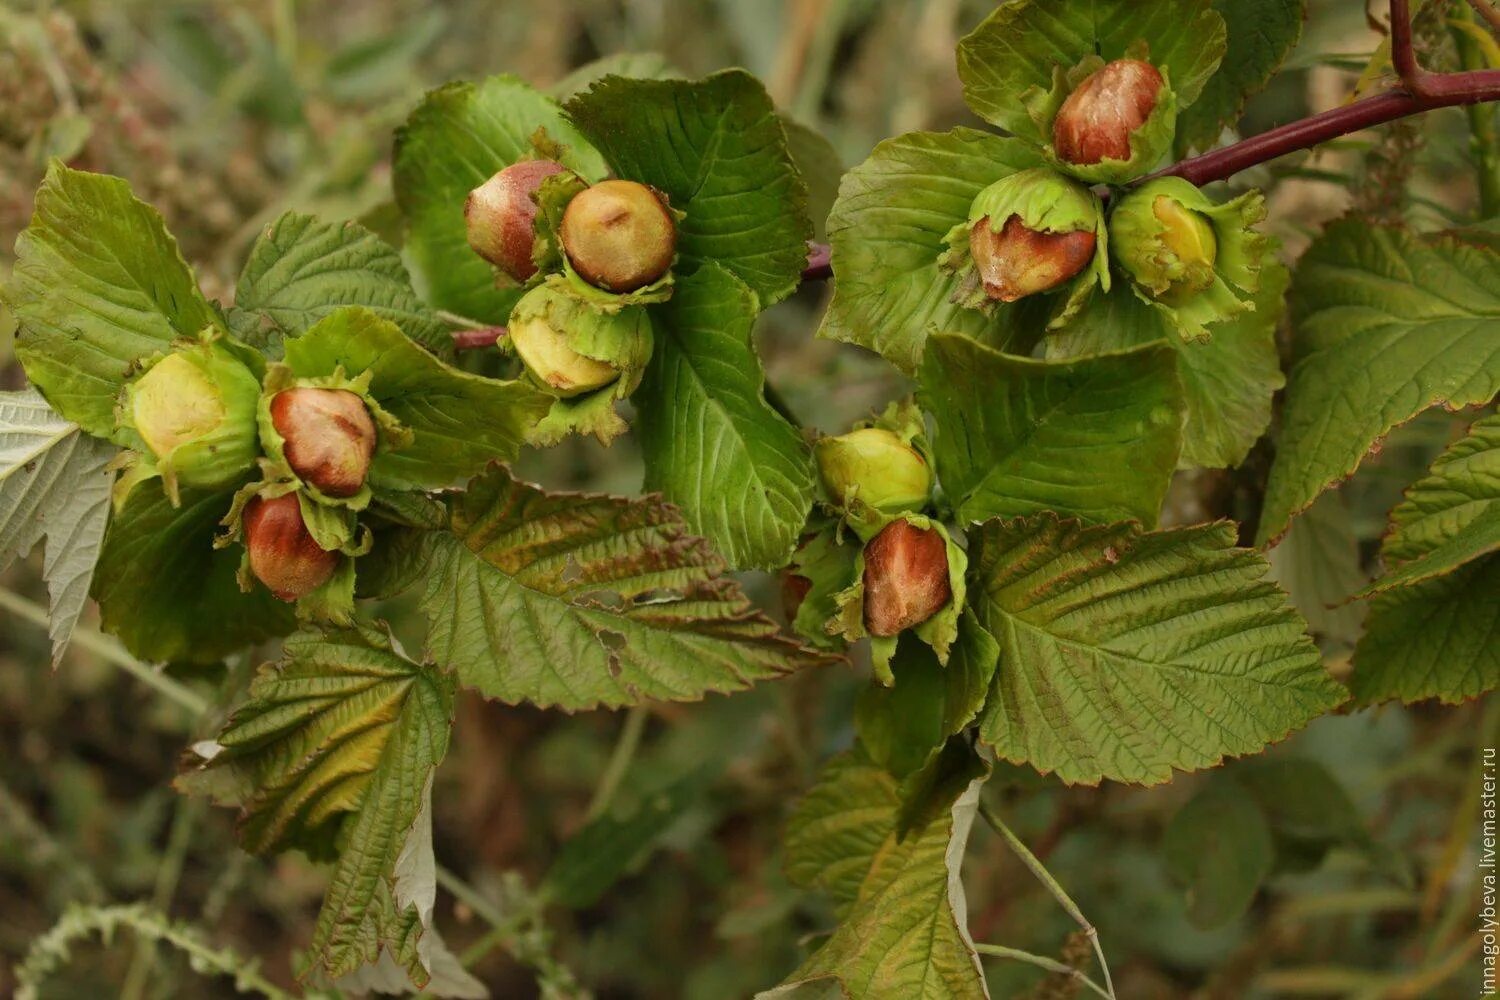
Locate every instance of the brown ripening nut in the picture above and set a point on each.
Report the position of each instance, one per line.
(1017, 261)
(283, 554)
(1096, 121)
(328, 437)
(500, 216)
(906, 577)
(619, 235)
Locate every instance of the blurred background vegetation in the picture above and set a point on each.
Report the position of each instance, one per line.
(225, 114)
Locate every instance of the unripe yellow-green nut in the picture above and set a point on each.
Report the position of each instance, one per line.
(195, 412)
(544, 326)
(1189, 234)
(546, 353)
(1162, 239)
(878, 467)
(619, 235)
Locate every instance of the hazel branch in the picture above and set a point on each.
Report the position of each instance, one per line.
(1420, 91)
(1403, 53)
(477, 338)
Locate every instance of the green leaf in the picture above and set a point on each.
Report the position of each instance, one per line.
(54, 485)
(1017, 47)
(99, 285)
(1433, 639)
(581, 601)
(903, 932)
(903, 726)
(1125, 655)
(890, 226)
(341, 738)
(460, 422)
(830, 565)
(1433, 622)
(1388, 324)
(370, 69)
(741, 473)
(1228, 380)
(718, 150)
(1219, 847)
(835, 834)
(1260, 35)
(301, 269)
(459, 137)
(167, 593)
(1451, 516)
(1097, 438)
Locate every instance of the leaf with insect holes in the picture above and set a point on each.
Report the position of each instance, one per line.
(334, 750)
(903, 931)
(581, 601)
(99, 286)
(54, 485)
(301, 269)
(1124, 655)
(1388, 324)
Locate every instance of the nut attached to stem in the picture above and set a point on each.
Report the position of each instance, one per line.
(1097, 120)
(619, 235)
(283, 554)
(500, 216)
(906, 578)
(329, 437)
(1188, 234)
(877, 467)
(194, 411)
(1016, 261)
(545, 352)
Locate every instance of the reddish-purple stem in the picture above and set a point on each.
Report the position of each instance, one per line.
(819, 262)
(1403, 53)
(1443, 91)
(473, 340)
(1420, 91)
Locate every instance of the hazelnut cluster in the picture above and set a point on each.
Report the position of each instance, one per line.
(608, 246)
(199, 417)
(1044, 231)
(878, 482)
